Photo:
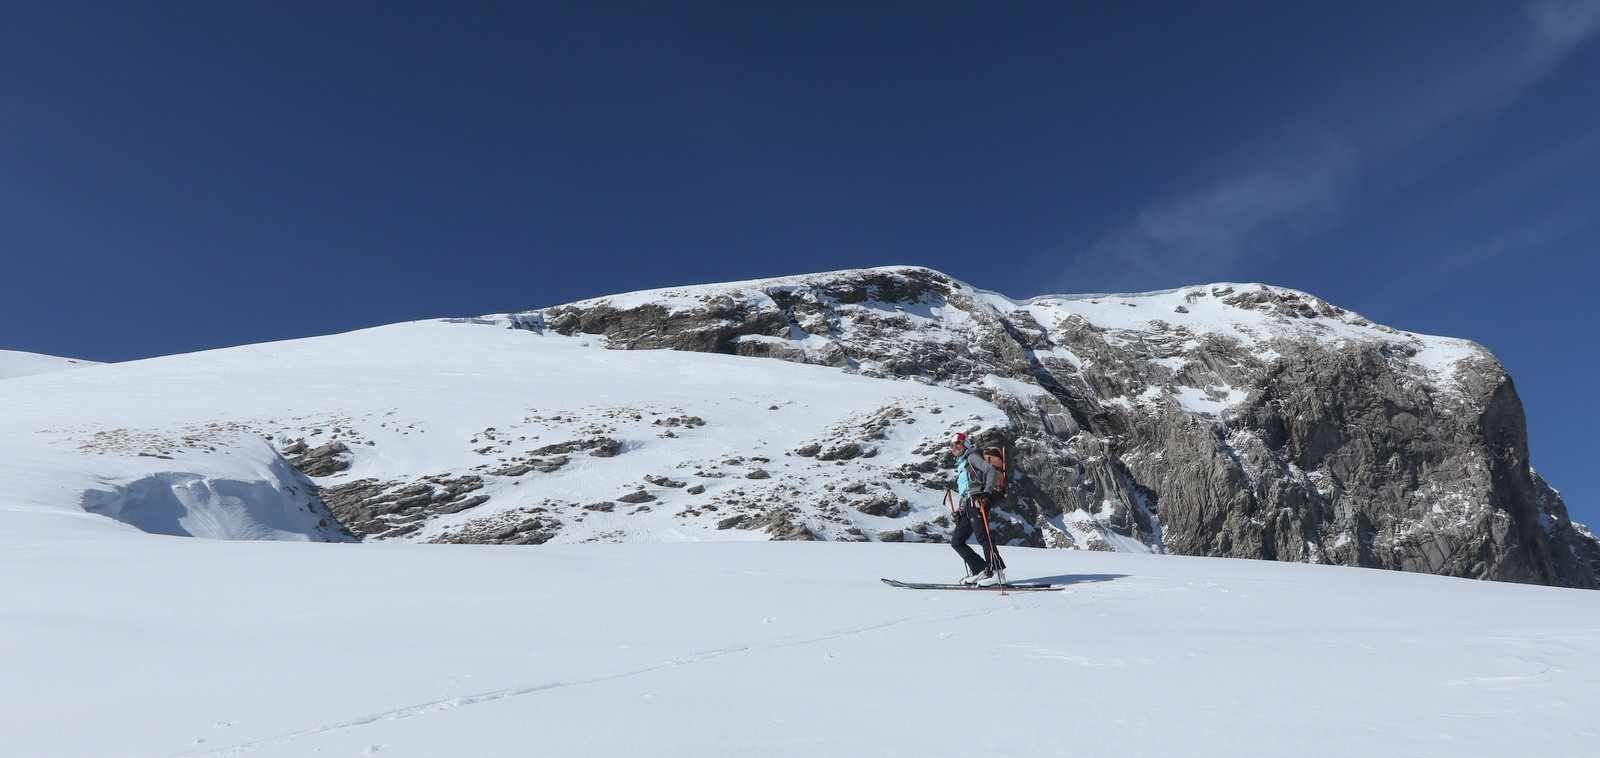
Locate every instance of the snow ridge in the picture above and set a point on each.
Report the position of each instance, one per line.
(14, 363)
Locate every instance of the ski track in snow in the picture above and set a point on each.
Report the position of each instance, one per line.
(793, 640)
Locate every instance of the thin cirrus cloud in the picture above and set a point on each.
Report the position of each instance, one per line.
(1297, 193)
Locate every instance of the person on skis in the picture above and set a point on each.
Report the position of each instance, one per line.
(977, 488)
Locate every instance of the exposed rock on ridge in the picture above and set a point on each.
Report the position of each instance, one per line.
(1223, 420)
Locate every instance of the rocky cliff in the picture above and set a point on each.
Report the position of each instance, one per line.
(1240, 421)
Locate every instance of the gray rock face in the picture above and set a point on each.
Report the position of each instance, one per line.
(1225, 420)
(323, 460)
(371, 508)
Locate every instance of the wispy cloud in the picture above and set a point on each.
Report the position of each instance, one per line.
(1185, 240)
(1493, 82)
(1559, 25)
(1258, 209)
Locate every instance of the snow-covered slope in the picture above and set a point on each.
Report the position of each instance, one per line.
(567, 442)
(14, 363)
(127, 644)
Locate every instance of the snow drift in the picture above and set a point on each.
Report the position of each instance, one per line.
(268, 501)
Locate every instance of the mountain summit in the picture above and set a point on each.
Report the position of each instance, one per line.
(1227, 420)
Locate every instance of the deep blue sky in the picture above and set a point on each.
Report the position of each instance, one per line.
(176, 176)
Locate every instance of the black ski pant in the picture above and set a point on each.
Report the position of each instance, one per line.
(969, 522)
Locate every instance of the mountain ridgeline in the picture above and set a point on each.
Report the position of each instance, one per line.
(1241, 421)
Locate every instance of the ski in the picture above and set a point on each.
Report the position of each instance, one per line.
(1024, 587)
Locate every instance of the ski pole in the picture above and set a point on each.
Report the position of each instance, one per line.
(993, 549)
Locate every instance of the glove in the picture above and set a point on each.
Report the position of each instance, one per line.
(982, 499)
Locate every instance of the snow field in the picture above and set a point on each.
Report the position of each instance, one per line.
(130, 644)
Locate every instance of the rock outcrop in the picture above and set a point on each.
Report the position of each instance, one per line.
(1241, 421)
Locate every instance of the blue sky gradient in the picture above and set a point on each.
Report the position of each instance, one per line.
(179, 176)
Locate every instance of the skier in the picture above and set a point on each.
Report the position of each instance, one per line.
(977, 486)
